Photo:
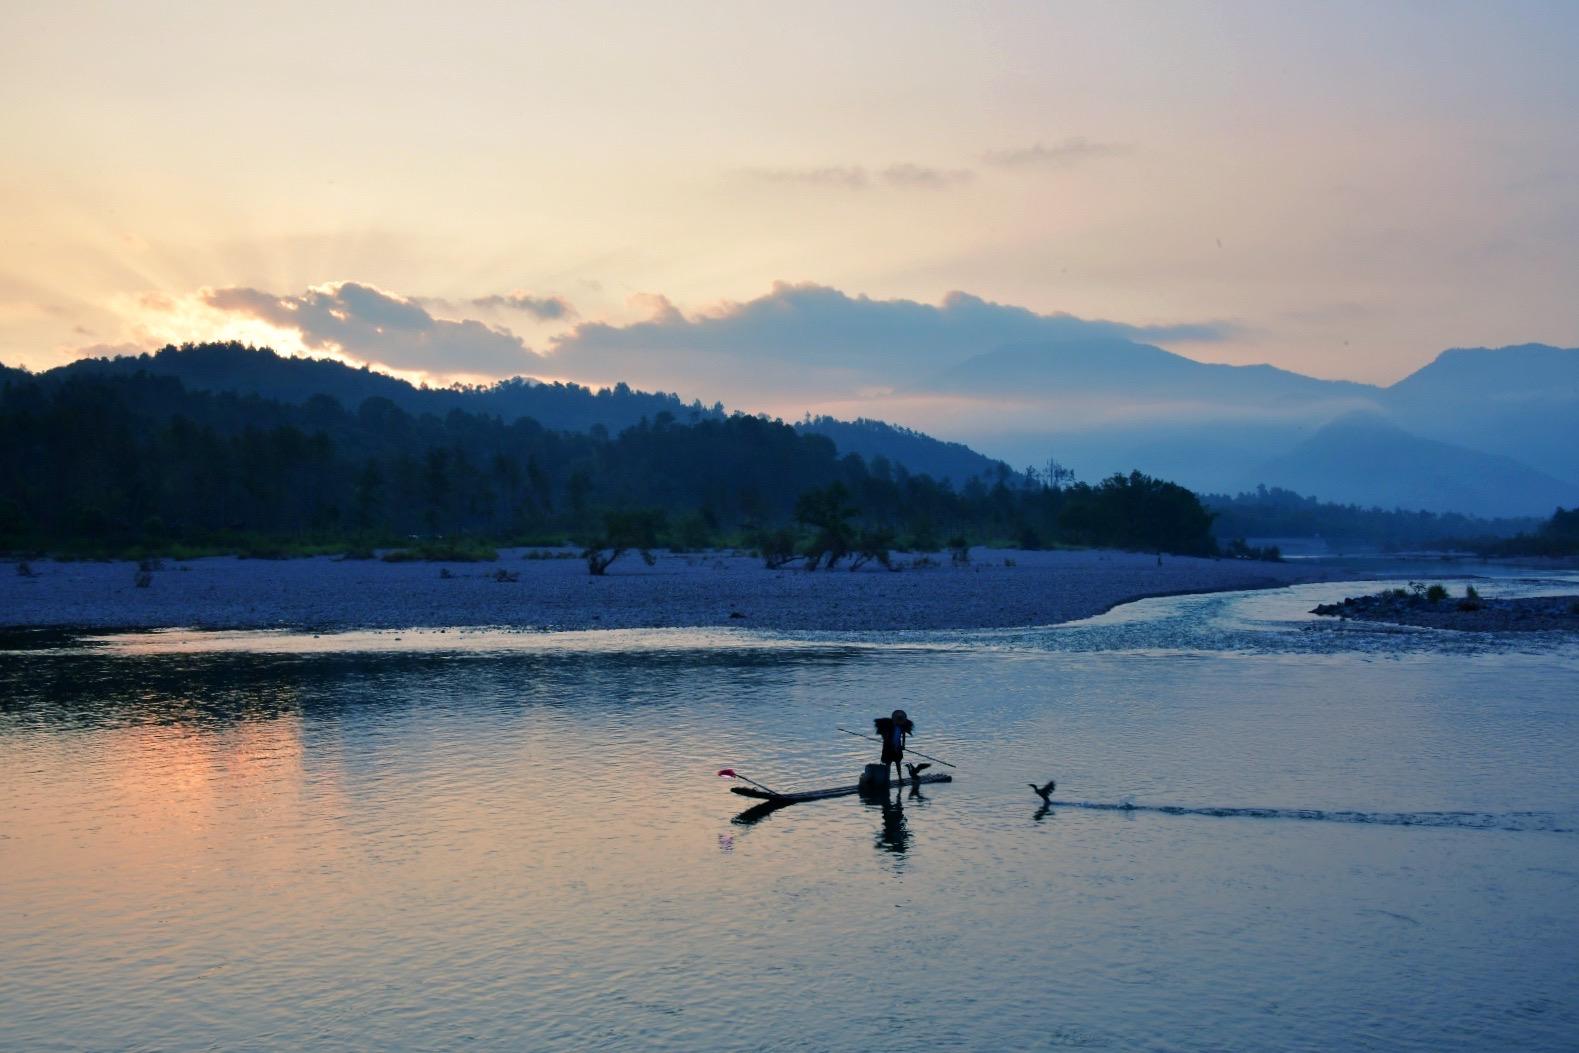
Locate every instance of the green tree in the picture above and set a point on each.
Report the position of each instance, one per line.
(636, 528)
(828, 513)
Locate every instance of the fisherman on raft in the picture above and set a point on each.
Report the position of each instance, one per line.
(894, 729)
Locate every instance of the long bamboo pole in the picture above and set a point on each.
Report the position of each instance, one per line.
(918, 753)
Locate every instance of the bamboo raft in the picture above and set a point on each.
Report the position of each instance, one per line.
(836, 791)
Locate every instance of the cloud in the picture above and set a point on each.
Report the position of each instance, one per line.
(794, 345)
(837, 177)
(900, 175)
(1063, 154)
(815, 340)
(543, 308)
(376, 326)
(657, 308)
(925, 178)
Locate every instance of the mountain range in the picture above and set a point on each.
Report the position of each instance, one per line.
(559, 406)
(1483, 431)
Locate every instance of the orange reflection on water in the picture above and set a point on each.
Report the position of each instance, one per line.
(140, 800)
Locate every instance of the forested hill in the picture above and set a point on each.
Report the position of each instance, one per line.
(260, 371)
(559, 406)
(874, 439)
(96, 462)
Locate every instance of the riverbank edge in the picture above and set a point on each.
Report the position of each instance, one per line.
(999, 589)
(1556, 613)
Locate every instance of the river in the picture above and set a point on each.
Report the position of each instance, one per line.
(501, 840)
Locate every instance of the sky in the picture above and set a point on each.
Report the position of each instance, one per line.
(787, 206)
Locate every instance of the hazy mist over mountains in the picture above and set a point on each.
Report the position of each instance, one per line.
(1490, 431)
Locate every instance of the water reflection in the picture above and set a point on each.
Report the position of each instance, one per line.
(758, 812)
(894, 835)
(215, 689)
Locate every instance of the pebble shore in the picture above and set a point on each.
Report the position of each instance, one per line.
(1523, 614)
(997, 589)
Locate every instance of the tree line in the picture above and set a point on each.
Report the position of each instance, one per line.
(1276, 512)
(1558, 537)
(100, 464)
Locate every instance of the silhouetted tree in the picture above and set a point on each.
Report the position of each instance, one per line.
(622, 531)
(828, 513)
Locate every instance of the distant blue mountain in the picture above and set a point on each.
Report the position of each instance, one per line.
(1498, 426)
(1370, 461)
(1517, 373)
(1115, 366)
(1522, 402)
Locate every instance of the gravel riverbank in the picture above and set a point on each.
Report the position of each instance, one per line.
(997, 589)
(1518, 614)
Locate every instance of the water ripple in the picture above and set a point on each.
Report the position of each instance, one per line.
(1543, 822)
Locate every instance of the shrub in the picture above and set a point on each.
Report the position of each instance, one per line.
(263, 550)
(1471, 593)
(1239, 548)
(443, 552)
(777, 548)
(1435, 594)
(873, 544)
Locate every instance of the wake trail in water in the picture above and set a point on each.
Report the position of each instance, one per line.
(1520, 822)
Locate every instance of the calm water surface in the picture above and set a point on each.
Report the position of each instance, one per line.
(431, 840)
